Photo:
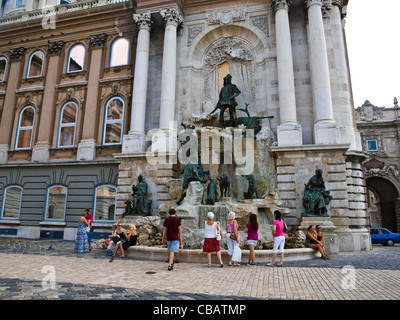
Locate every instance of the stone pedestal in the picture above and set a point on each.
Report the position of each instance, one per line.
(331, 241)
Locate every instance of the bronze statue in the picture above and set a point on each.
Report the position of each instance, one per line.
(212, 195)
(227, 97)
(224, 185)
(191, 172)
(252, 190)
(316, 198)
(141, 205)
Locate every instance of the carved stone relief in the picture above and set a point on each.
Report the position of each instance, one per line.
(261, 23)
(368, 112)
(226, 17)
(193, 32)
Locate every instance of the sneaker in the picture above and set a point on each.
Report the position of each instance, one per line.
(270, 264)
(230, 263)
(250, 264)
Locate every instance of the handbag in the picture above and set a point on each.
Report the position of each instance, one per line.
(87, 229)
(237, 254)
(284, 226)
(233, 236)
(218, 233)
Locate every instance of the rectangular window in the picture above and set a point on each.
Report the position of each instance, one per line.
(372, 145)
(19, 3)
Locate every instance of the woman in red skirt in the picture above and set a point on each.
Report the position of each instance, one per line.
(210, 238)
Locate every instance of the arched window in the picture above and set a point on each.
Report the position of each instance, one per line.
(56, 202)
(105, 198)
(25, 128)
(119, 54)
(35, 64)
(11, 204)
(76, 58)
(3, 68)
(113, 121)
(67, 125)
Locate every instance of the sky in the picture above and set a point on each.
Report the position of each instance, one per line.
(373, 44)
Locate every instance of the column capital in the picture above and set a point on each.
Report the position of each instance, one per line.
(98, 40)
(16, 54)
(143, 20)
(55, 47)
(281, 4)
(171, 16)
(339, 3)
(309, 3)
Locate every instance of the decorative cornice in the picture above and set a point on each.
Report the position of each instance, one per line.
(55, 47)
(281, 4)
(98, 40)
(143, 20)
(171, 16)
(16, 54)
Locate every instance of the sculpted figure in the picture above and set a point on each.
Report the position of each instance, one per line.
(224, 185)
(316, 198)
(252, 190)
(141, 205)
(212, 195)
(191, 172)
(226, 100)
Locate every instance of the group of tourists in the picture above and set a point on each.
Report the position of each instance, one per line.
(120, 240)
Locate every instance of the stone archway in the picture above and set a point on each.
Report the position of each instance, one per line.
(383, 204)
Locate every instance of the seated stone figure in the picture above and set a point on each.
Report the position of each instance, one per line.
(141, 205)
(316, 198)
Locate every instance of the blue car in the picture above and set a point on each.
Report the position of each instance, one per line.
(384, 236)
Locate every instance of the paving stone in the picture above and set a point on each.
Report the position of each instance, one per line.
(21, 277)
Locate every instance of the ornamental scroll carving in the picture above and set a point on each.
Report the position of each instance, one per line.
(16, 54)
(55, 47)
(98, 40)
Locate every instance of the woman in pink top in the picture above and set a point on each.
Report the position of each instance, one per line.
(252, 237)
(279, 238)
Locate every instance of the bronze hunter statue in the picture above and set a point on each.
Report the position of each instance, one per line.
(226, 100)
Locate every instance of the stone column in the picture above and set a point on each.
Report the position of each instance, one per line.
(289, 131)
(45, 130)
(10, 100)
(326, 130)
(165, 137)
(87, 146)
(136, 139)
(342, 100)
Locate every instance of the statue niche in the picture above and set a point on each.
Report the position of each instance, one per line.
(229, 56)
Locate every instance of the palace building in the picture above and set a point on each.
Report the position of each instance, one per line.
(86, 87)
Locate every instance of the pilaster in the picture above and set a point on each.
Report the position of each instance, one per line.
(87, 146)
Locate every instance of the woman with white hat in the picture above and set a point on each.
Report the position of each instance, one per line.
(210, 238)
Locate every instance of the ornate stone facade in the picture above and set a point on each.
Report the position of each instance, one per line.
(380, 136)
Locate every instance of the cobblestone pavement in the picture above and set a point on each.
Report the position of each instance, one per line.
(50, 270)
